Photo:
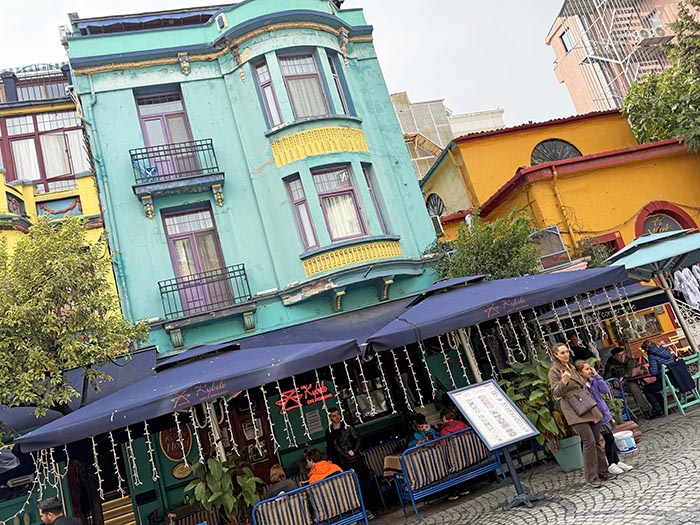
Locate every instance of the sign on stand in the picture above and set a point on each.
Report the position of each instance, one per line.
(499, 423)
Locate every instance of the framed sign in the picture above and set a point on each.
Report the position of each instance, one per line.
(170, 442)
(493, 416)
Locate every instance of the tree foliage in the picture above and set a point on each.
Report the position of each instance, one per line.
(596, 251)
(501, 248)
(667, 105)
(57, 311)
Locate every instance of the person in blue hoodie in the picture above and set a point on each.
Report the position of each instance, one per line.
(598, 387)
(420, 431)
(658, 356)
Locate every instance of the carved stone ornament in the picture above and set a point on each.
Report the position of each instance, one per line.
(184, 62)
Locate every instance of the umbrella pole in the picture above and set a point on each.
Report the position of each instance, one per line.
(677, 311)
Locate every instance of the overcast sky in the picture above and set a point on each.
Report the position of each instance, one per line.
(476, 55)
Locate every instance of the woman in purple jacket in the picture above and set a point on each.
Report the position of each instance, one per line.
(597, 387)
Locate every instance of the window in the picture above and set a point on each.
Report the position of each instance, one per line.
(301, 212)
(41, 90)
(338, 84)
(377, 200)
(46, 148)
(267, 92)
(567, 38)
(337, 197)
(552, 250)
(551, 150)
(303, 86)
(196, 254)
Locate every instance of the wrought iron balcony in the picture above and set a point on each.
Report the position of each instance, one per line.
(204, 292)
(185, 167)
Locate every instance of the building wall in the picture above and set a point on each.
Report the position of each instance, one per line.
(255, 221)
(493, 159)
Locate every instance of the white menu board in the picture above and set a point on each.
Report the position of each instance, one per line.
(492, 414)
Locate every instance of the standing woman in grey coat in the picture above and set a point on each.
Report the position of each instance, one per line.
(565, 383)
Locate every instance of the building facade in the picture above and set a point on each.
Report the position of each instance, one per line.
(43, 157)
(602, 48)
(428, 126)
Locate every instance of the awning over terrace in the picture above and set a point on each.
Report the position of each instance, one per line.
(467, 306)
(191, 383)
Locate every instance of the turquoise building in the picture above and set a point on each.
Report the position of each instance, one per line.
(253, 178)
(251, 168)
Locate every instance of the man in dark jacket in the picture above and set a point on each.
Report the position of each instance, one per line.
(624, 367)
(343, 444)
(51, 513)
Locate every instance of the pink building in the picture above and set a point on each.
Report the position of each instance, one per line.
(604, 46)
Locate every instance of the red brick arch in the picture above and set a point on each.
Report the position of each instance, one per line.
(670, 209)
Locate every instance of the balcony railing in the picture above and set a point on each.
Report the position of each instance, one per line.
(204, 292)
(174, 161)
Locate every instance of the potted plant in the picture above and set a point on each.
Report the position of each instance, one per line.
(527, 384)
(228, 488)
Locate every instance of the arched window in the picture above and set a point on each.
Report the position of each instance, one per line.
(551, 150)
(435, 204)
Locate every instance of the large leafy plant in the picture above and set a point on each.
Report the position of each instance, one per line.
(527, 384)
(228, 488)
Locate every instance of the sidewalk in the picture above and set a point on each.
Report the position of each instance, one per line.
(661, 490)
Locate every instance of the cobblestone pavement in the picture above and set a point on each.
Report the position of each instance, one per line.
(661, 490)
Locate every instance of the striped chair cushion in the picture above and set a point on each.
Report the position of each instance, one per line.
(374, 457)
(334, 496)
(425, 466)
(284, 510)
(464, 450)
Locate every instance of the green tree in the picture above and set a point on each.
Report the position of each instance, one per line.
(596, 251)
(57, 311)
(667, 105)
(501, 248)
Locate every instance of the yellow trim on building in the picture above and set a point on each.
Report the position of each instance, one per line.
(31, 110)
(213, 56)
(358, 253)
(332, 139)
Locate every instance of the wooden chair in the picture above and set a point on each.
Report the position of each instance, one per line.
(682, 400)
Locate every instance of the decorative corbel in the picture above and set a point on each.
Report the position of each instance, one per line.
(343, 43)
(218, 194)
(184, 62)
(338, 295)
(249, 321)
(383, 287)
(239, 58)
(176, 339)
(147, 203)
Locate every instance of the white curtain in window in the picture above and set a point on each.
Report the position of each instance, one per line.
(342, 216)
(78, 154)
(306, 225)
(53, 148)
(306, 96)
(25, 160)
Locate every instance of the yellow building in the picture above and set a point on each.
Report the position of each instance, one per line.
(583, 177)
(44, 161)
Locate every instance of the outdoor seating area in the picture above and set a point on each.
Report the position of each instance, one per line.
(334, 500)
(437, 465)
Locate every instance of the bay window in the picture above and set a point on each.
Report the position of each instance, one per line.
(302, 215)
(304, 86)
(339, 203)
(267, 92)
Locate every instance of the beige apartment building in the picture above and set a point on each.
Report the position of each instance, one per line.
(603, 46)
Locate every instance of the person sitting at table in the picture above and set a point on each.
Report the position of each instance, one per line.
(450, 423)
(658, 356)
(279, 482)
(318, 467)
(624, 367)
(420, 431)
(580, 351)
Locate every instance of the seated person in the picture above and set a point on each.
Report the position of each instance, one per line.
(318, 467)
(450, 423)
(658, 356)
(279, 482)
(625, 367)
(420, 431)
(580, 351)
